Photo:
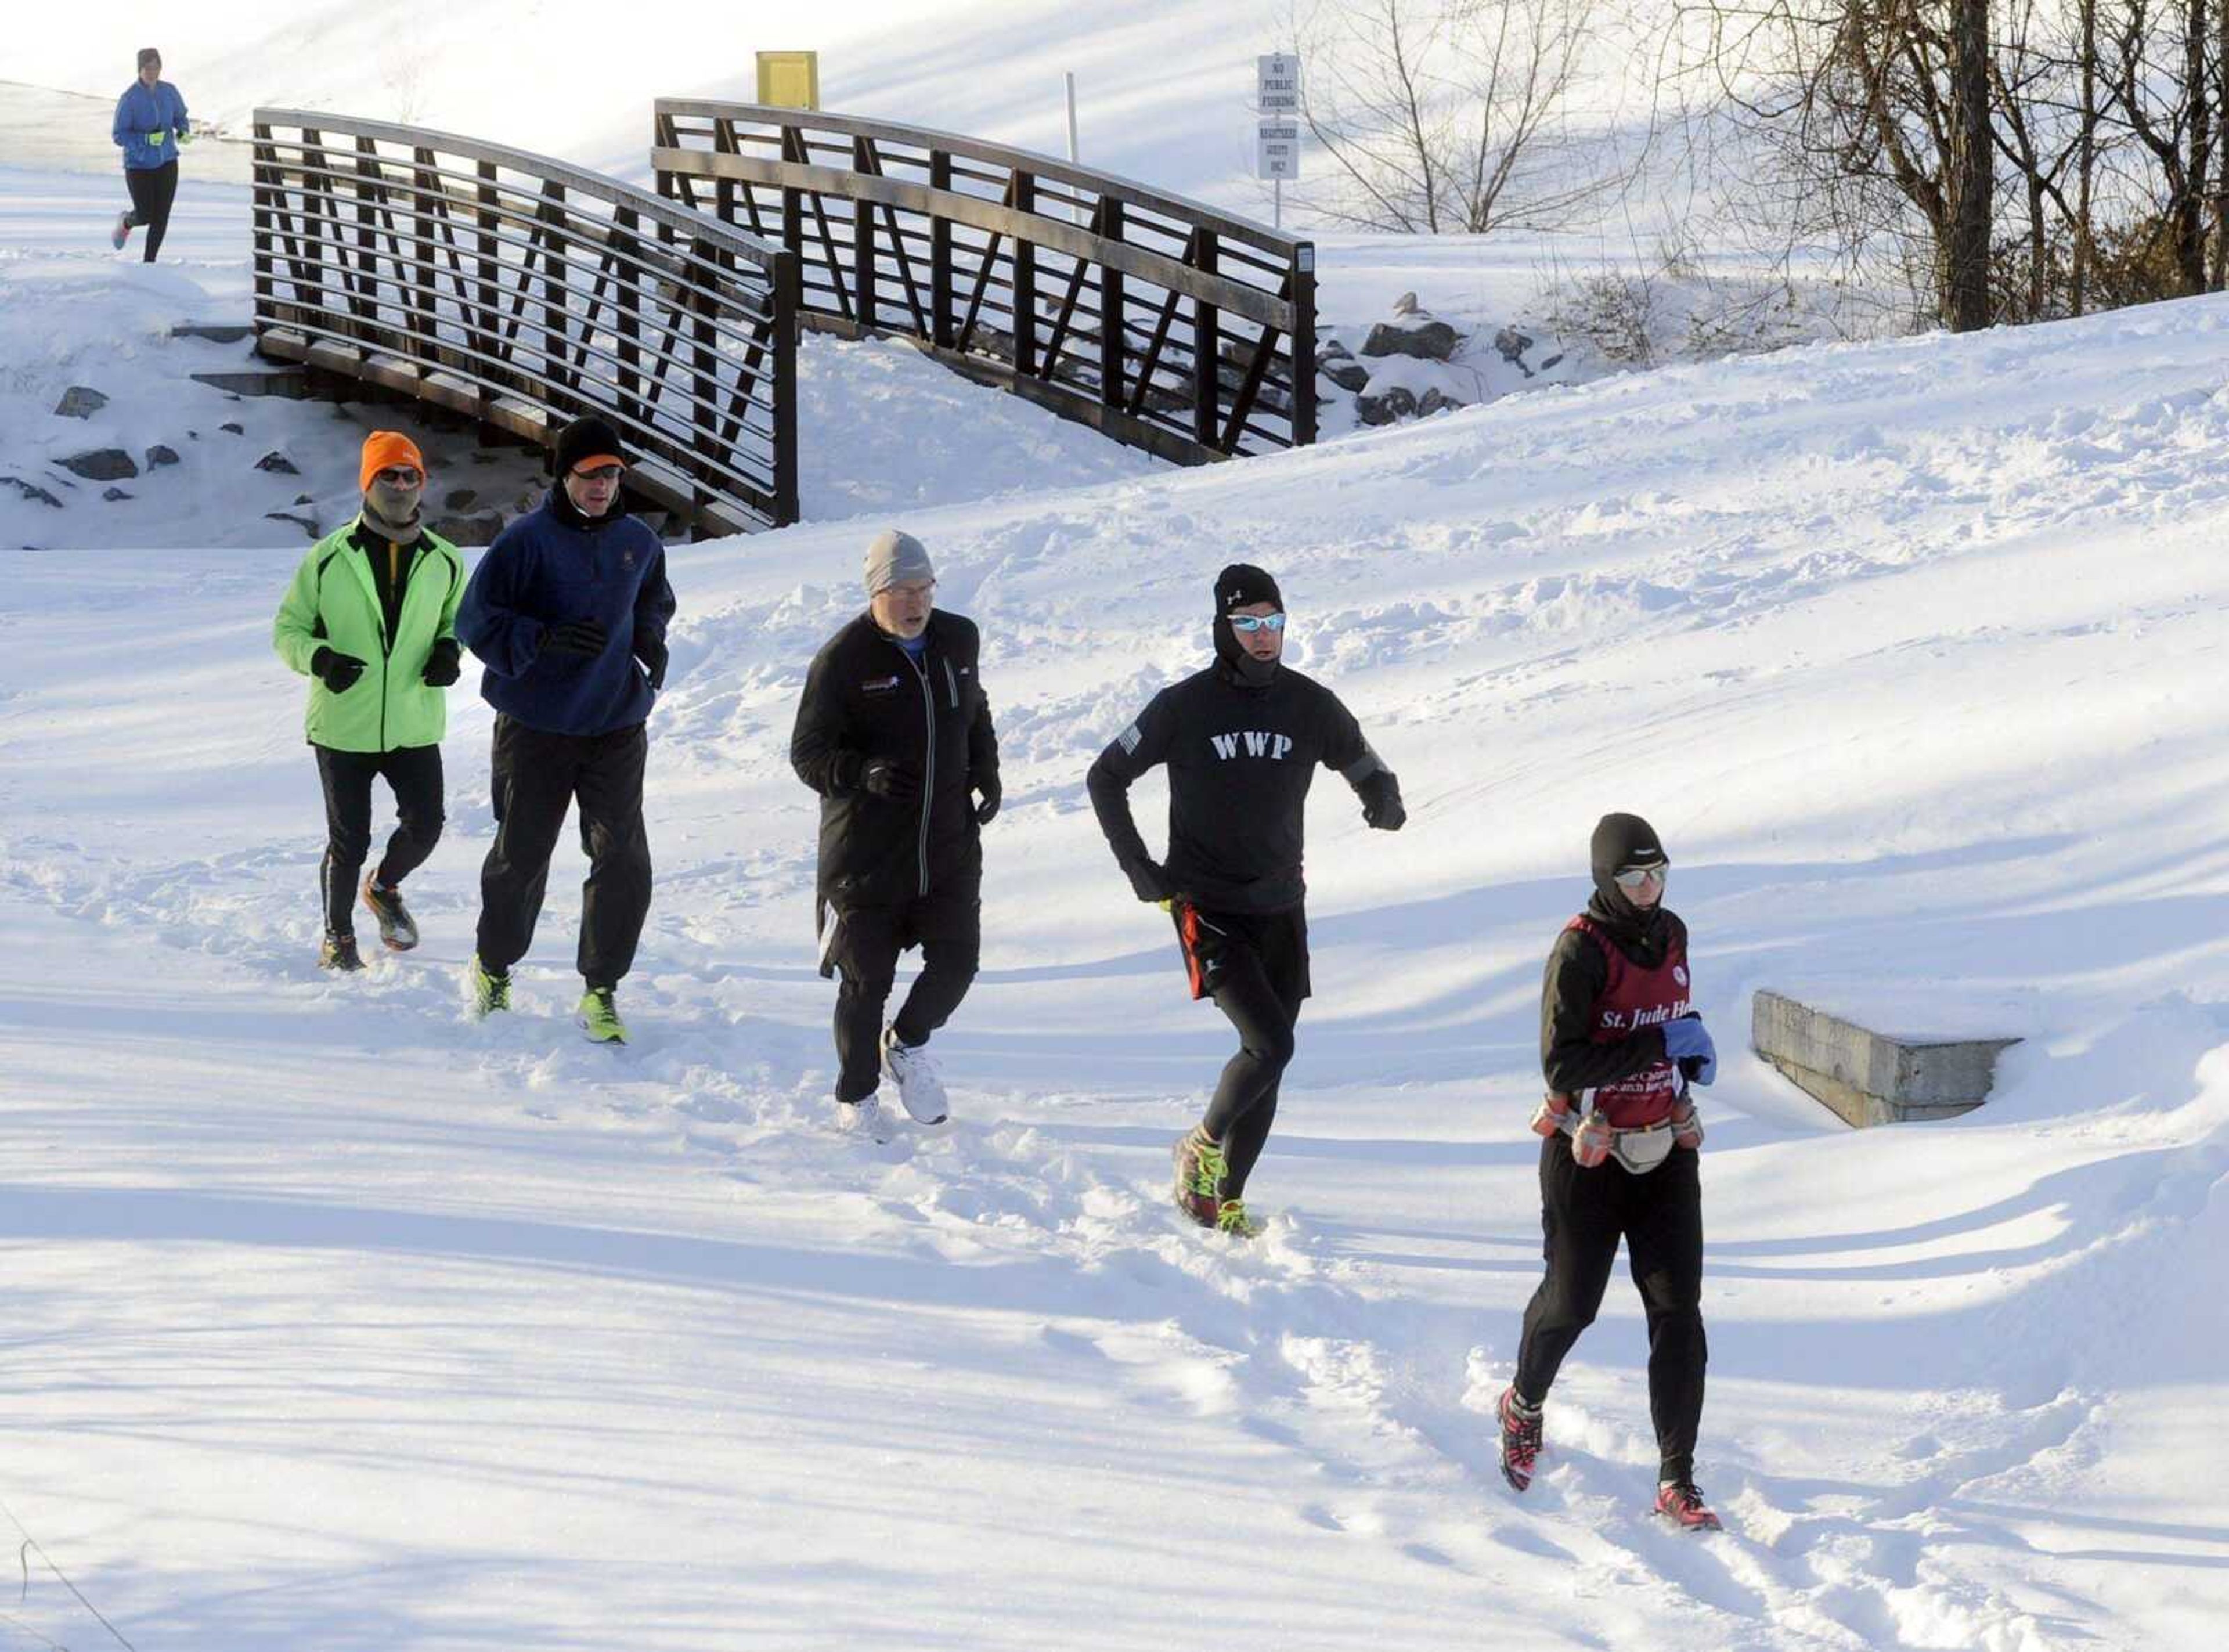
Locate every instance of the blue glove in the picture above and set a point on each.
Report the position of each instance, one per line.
(1686, 1041)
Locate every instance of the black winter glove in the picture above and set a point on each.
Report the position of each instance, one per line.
(443, 665)
(1381, 801)
(886, 777)
(584, 637)
(338, 671)
(1150, 881)
(990, 793)
(650, 648)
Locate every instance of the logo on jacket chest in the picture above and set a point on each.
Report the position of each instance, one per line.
(877, 687)
(1251, 743)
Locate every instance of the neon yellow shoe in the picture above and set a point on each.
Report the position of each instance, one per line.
(1231, 1219)
(1200, 1169)
(600, 1016)
(490, 993)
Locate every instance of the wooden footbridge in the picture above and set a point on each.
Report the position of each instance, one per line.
(522, 292)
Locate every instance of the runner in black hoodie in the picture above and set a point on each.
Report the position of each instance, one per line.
(1619, 1046)
(1241, 740)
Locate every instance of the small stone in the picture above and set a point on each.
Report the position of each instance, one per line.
(462, 498)
(1513, 344)
(1384, 407)
(307, 524)
(1348, 374)
(1330, 350)
(277, 463)
(112, 494)
(80, 402)
(303, 498)
(1433, 341)
(1437, 399)
(32, 491)
(160, 455)
(1405, 305)
(101, 465)
(477, 529)
(231, 429)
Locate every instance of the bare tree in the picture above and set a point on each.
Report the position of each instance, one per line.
(1445, 116)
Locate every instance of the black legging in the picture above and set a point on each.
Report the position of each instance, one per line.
(414, 772)
(153, 188)
(1245, 1103)
(948, 927)
(1584, 1212)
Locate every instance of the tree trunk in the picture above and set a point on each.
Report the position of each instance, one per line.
(1963, 255)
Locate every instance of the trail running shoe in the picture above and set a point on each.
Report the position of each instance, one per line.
(1520, 1438)
(338, 952)
(920, 1087)
(1230, 1217)
(122, 233)
(864, 1118)
(398, 931)
(1681, 1503)
(490, 993)
(600, 1016)
(1200, 1168)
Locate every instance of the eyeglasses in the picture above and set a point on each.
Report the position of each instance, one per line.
(1635, 876)
(399, 475)
(601, 474)
(1247, 624)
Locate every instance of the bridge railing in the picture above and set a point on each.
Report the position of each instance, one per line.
(525, 292)
(1160, 321)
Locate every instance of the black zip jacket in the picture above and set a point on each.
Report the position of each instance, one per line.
(865, 698)
(1576, 974)
(1241, 758)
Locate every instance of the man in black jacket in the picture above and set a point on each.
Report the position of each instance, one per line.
(1241, 740)
(894, 732)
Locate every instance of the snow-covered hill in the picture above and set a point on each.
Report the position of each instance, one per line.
(336, 1320)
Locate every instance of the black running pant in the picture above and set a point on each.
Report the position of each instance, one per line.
(1660, 1215)
(1255, 968)
(153, 188)
(413, 774)
(536, 777)
(863, 948)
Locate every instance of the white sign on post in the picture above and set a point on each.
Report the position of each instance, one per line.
(1277, 149)
(1276, 84)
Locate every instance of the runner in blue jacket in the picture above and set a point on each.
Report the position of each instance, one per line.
(149, 125)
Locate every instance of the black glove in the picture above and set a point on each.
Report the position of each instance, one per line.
(443, 665)
(337, 671)
(1381, 801)
(990, 792)
(886, 777)
(586, 637)
(1150, 881)
(650, 648)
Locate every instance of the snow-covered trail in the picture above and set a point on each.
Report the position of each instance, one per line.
(337, 1319)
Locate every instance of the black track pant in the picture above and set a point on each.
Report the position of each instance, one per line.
(153, 188)
(415, 776)
(863, 950)
(536, 777)
(1660, 1215)
(1255, 968)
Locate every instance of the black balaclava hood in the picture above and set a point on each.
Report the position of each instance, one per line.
(1622, 840)
(1239, 586)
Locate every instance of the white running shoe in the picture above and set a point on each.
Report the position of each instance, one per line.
(915, 1071)
(863, 1119)
(122, 233)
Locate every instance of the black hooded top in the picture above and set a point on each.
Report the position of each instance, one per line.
(1577, 972)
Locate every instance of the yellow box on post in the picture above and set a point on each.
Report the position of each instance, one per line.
(790, 79)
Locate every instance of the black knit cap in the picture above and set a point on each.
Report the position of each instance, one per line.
(588, 438)
(1620, 841)
(1241, 585)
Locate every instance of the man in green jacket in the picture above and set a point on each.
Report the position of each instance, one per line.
(370, 619)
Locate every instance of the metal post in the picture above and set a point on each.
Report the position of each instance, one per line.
(1068, 82)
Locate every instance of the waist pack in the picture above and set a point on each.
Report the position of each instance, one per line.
(1640, 1151)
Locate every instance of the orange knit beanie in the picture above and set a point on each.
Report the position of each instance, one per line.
(384, 448)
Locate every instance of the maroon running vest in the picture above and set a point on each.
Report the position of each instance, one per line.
(1634, 998)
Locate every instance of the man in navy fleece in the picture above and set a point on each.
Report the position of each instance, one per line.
(568, 610)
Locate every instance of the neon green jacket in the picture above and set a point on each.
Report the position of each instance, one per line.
(334, 603)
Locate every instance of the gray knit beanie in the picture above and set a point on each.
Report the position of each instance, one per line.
(895, 558)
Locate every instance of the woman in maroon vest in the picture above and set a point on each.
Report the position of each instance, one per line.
(1620, 1045)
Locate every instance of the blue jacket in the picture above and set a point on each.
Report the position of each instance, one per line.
(140, 111)
(551, 566)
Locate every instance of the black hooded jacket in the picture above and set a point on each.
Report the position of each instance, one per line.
(1241, 757)
(1576, 975)
(866, 697)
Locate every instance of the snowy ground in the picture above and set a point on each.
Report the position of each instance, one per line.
(336, 1321)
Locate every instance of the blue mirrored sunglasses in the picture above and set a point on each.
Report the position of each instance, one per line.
(1243, 623)
(1635, 876)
